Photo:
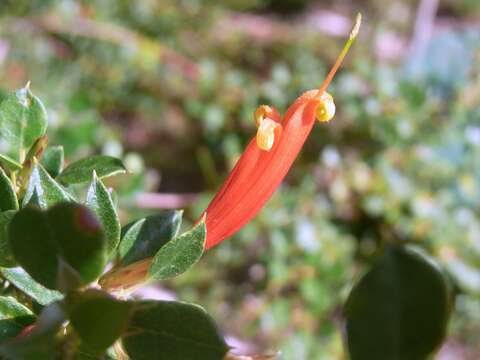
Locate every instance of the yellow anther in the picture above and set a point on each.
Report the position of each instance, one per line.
(266, 134)
(261, 113)
(266, 127)
(326, 109)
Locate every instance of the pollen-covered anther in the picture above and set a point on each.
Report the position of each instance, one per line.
(261, 113)
(326, 108)
(266, 134)
(267, 128)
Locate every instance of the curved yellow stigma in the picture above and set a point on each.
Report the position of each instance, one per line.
(326, 109)
(266, 127)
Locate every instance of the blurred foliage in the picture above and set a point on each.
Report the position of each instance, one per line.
(171, 85)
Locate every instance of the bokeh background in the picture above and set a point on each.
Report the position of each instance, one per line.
(170, 87)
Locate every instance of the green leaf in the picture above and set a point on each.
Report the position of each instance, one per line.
(21, 280)
(6, 256)
(79, 238)
(67, 237)
(179, 254)
(14, 317)
(52, 160)
(23, 119)
(143, 238)
(81, 170)
(399, 309)
(169, 330)
(47, 191)
(99, 200)
(40, 342)
(8, 198)
(98, 318)
(9, 163)
(32, 245)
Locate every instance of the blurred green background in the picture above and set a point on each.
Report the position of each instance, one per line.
(170, 86)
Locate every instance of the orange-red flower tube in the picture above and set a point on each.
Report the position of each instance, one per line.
(268, 157)
(259, 172)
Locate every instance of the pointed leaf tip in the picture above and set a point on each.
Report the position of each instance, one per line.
(81, 171)
(99, 200)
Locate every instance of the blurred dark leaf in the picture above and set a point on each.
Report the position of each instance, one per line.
(67, 237)
(98, 318)
(399, 309)
(165, 330)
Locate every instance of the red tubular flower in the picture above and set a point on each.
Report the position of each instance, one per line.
(268, 157)
(258, 172)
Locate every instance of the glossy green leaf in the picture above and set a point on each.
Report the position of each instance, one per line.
(24, 282)
(398, 310)
(169, 330)
(100, 201)
(179, 254)
(39, 343)
(8, 198)
(143, 238)
(97, 318)
(9, 163)
(81, 170)
(23, 119)
(47, 191)
(6, 256)
(14, 317)
(52, 160)
(66, 237)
